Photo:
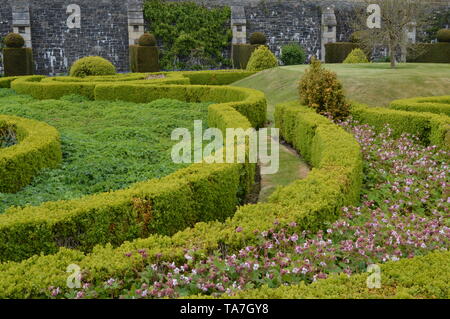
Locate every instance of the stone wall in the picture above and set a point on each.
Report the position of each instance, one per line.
(60, 34)
(5, 25)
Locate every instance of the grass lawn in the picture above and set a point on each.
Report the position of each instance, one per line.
(375, 84)
(106, 145)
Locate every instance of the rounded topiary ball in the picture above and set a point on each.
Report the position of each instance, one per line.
(258, 38)
(147, 40)
(443, 35)
(14, 40)
(92, 65)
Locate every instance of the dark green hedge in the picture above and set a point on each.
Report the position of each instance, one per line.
(144, 58)
(337, 52)
(18, 61)
(430, 53)
(241, 54)
(39, 147)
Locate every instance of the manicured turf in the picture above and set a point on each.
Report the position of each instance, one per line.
(374, 83)
(106, 145)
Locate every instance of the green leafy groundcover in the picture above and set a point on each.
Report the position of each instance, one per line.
(106, 145)
(191, 36)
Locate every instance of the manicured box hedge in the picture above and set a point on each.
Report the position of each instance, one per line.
(144, 58)
(339, 185)
(18, 61)
(435, 104)
(430, 53)
(430, 128)
(42, 88)
(336, 52)
(5, 82)
(38, 147)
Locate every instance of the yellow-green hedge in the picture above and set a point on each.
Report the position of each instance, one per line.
(323, 193)
(41, 87)
(38, 147)
(419, 277)
(435, 104)
(5, 82)
(430, 128)
(201, 192)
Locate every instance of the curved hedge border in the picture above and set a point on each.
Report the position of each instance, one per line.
(418, 277)
(39, 147)
(334, 182)
(201, 192)
(41, 87)
(435, 104)
(430, 128)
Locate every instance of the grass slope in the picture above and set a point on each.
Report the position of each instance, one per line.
(375, 84)
(106, 145)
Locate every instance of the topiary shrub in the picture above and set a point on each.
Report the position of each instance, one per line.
(292, 54)
(14, 40)
(443, 35)
(321, 90)
(262, 58)
(241, 54)
(17, 60)
(356, 56)
(92, 65)
(147, 40)
(336, 52)
(258, 38)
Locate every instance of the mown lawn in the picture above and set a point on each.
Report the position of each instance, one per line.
(106, 145)
(375, 84)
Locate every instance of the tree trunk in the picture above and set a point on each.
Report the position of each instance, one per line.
(392, 54)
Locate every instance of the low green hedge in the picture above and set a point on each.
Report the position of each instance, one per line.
(39, 147)
(336, 52)
(198, 193)
(18, 61)
(435, 104)
(5, 82)
(419, 277)
(41, 87)
(325, 190)
(430, 53)
(222, 77)
(430, 128)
